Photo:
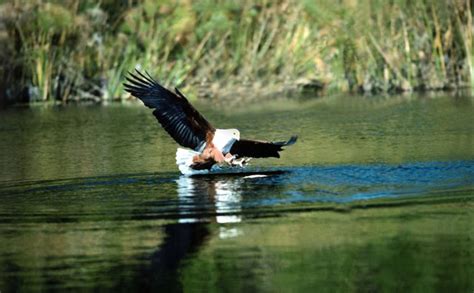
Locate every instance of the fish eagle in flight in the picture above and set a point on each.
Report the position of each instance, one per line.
(207, 145)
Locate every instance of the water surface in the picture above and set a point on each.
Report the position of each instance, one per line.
(377, 195)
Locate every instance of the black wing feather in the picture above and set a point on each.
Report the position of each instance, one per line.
(174, 112)
(260, 149)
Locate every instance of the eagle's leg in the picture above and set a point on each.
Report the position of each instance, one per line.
(217, 155)
(208, 158)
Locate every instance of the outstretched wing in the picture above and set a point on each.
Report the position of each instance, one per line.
(177, 116)
(260, 149)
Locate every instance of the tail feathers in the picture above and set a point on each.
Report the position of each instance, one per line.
(184, 156)
(184, 159)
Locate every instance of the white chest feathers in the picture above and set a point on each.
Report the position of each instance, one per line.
(225, 138)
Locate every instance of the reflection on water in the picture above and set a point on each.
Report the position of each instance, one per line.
(224, 193)
(181, 241)
(309, 226)
(376, 196)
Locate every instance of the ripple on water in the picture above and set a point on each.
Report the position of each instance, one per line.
(188, 199)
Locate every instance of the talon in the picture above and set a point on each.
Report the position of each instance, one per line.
(240, 162)
(229, 159)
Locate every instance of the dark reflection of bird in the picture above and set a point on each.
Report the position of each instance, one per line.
(207, 145)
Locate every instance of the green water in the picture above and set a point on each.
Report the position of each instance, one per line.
(377, 195)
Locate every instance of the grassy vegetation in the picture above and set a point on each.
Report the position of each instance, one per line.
(80, 49)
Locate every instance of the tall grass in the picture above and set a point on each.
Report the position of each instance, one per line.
(77, 50)
(410, 45)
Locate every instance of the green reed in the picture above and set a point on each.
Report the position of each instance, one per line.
(80, 50)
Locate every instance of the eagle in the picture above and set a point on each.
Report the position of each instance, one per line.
(207, 147)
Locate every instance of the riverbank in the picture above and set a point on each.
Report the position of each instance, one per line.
(78, 50)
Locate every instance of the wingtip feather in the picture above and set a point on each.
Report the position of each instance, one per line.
(292, 140)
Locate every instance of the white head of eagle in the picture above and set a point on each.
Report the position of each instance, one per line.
(225, 138)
